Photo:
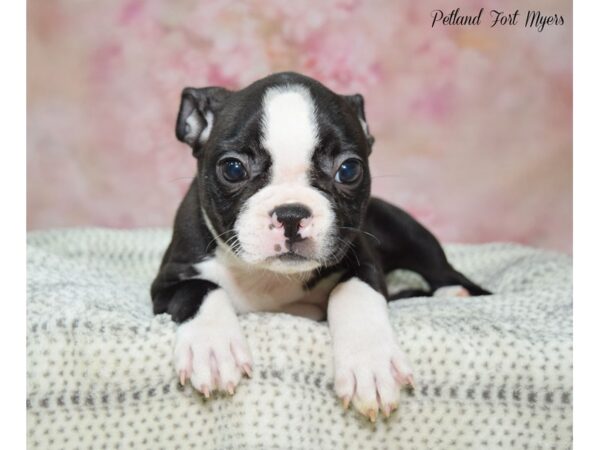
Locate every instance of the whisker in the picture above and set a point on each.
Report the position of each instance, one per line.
(181, 178)
(363, 232)
(348, 246)
(230, 239)
(217, 237)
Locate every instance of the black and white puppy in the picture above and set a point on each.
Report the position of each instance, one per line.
(279, 218)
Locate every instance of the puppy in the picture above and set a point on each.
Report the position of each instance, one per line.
(279, 218)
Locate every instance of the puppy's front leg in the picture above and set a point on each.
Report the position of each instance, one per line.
(369, 366)
(210, 349)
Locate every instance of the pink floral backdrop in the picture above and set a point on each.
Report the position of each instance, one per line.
(473, 124)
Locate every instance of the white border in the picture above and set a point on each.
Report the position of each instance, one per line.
(12, 191)
(586, 224)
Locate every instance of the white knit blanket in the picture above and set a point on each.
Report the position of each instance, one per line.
(491, 372)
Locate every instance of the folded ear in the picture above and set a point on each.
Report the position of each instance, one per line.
(357, 103)
(197, 113)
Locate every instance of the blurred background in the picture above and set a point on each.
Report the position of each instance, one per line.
(473, 125)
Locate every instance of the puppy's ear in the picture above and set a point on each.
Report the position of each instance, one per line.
(197, 113)
(357, 104)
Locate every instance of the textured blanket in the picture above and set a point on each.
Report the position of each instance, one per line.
(491, 372)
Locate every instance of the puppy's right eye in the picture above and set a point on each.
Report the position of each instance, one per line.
(233, 170)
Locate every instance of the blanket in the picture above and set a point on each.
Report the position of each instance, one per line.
(491, 372)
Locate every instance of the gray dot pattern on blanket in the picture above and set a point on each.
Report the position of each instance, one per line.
(491, 372)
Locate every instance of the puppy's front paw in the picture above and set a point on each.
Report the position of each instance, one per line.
(370, 372)
(212, 356)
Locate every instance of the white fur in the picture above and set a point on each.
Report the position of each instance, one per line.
(290, 135)
(193, 122)
(211, 349)
(369, 366)
(252, 288)
(258, 239)
(209, 124)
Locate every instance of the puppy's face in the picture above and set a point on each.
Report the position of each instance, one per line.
(282, 169)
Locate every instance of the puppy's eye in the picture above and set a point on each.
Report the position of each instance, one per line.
(233, 170)
(350, 171)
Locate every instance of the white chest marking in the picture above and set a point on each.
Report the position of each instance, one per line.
(254, 289)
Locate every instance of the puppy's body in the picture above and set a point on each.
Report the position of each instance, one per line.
(279, 218)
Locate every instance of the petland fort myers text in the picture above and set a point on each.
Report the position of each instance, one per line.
(530, 19)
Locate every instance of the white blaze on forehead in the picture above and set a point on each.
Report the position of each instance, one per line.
(289, 131)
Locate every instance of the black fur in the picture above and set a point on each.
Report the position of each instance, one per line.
(395, 240)
(374, 237)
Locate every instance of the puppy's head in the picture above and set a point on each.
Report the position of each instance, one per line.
(282, 169)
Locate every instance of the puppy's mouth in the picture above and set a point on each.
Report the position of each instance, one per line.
(294, 250)
(290, 262)
(291, 257)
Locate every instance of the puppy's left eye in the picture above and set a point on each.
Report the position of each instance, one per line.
(350, 171)
(233, 170)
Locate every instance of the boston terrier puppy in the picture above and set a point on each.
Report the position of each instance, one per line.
(279, 218)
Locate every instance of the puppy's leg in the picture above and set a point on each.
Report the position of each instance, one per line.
(210, 349)
(180, 299)
(369, 366)
(403, 243)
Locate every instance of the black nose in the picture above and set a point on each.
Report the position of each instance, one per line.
(290, 216)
